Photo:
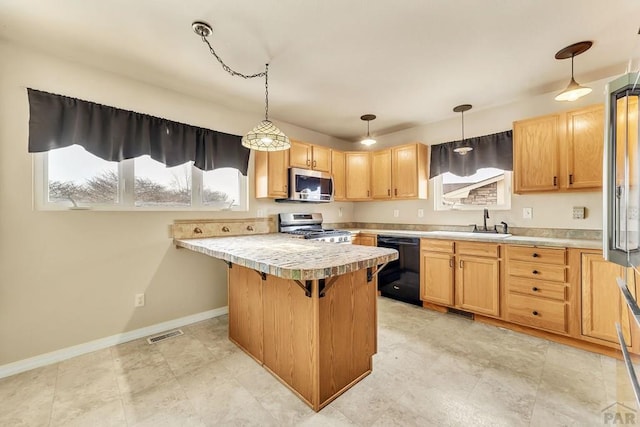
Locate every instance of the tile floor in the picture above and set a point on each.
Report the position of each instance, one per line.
(431, 369)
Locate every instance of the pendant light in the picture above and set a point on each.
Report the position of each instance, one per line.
(368, 140)
(462, 149)
(573, 90)
(265, 136)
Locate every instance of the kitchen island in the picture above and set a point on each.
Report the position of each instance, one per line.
(304, 310)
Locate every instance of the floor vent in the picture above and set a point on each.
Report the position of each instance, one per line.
(460, 313)
(164, 336)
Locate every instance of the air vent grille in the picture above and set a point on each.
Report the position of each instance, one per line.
(165, 335)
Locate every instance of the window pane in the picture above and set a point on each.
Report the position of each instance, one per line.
(484, 188)
(77, 176)
(221, 188)
(157, 185)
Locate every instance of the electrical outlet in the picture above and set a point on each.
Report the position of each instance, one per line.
(396, 213)
(578, 212)
(138, 300)
(527, 213)
(420, 213)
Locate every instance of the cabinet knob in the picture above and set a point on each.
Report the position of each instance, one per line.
(534, 289)
(535, 272)
(535, 313)
(535, 255)
(225, 229)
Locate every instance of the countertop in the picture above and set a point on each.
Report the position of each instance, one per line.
(289, 257)
(490, 237)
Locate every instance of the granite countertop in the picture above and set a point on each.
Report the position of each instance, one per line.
(490, 237)
(289, 257)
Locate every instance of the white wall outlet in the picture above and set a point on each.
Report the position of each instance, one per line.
(527, 213)
(396, 213)
(420, 213)
(138, 300)
(340, 212)
(578, 212)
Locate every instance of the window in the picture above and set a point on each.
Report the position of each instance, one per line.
(71, 177)
(488, 187)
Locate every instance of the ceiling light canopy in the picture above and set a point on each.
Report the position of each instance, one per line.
(368, 140)
(265, 136)
(573, 90)
(463, 148)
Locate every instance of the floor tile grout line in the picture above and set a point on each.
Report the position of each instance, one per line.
(53, 395)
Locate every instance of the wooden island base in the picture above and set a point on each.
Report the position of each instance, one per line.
(316, 336)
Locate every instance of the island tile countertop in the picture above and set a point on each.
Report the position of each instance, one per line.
(490, 237)
(289, 257)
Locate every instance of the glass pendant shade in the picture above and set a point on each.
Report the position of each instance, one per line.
(573, 92)
(368, 141)
(266, 137)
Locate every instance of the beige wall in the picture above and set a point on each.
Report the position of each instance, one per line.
(549, 210)
(69, 277)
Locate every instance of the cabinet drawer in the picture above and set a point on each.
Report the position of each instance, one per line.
(537, 255)
(554, 273)
(477, 249)
(536, 288)
(434, 245)
(537, 312)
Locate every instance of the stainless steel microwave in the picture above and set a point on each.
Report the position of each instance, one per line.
(310, 186)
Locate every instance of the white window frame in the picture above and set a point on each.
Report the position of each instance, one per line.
(439, 206)
(126, 199)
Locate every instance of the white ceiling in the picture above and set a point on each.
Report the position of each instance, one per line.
(407, 61)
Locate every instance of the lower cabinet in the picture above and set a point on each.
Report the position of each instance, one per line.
(465, 275)
(364, 239)
(602, 302)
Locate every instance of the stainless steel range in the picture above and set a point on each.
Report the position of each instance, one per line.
(309, 226)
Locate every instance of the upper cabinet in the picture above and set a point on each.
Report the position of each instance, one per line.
(559, 152)
(400, 172)
(271, 178)
(339, 172)
(358, 169)
(307, 156)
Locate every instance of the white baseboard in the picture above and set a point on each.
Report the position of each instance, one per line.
(99, 344)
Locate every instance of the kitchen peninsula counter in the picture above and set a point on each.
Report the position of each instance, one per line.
(304, 310)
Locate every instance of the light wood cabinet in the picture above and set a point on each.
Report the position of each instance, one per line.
(365, 240)
(410, 171)
(358, 168)
(536, 288)
(307, 156)
(602, 302)
(464, 275)
(478, 284)
(401, 172)
(338, 170)
(437, 271)
(271, 174)
(381, 174)
(559, 152)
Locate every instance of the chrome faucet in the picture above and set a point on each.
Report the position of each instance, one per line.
(486, 217)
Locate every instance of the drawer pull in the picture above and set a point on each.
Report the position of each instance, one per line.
(451, 262)
(535, 313)
(535, 272)
(534, 289)
(535, 255)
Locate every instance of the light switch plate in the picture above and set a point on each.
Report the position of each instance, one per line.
(527, 213)
(396, 213)
(578, 212)
(420, 213)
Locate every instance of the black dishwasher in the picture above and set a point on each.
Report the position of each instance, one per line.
(400, 279)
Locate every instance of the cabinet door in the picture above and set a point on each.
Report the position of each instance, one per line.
(271, 178)
(602, 303)
(436, 278)
(358, 175)
(381, 174)
(245, 310)
(536, 145)
(585, 142)
(339, 175)
(321, 158)
(365, 240)
(478, 284)
(300, 155)
(405, 172)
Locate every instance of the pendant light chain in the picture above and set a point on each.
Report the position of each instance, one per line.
(463, 127)
(227, 68)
